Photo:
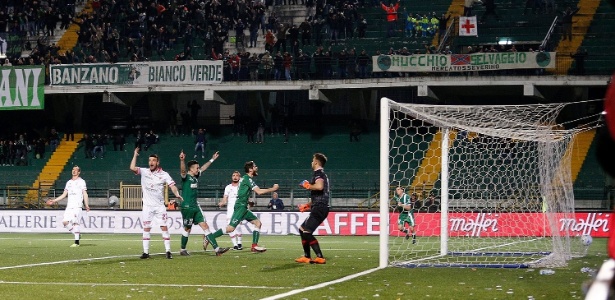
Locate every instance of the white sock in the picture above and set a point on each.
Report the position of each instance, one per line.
(185, 233)
(232, 235)
(146, 238)
(77, 231)
(239, 239)
(167, 241)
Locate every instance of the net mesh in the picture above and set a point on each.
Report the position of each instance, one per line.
(508, 179)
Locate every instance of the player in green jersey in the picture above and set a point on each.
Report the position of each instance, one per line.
(190, 208)
(406, 216)
(242, 211)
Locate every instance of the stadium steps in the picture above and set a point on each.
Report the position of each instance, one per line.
(70, 37)
(581, 22)
(52, 170)
(579, 148)
(429, 170)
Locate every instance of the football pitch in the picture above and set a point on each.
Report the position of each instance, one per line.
(107, 266)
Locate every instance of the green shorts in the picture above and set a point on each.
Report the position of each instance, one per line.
(192, 215)
(406, 218)
(241, 213)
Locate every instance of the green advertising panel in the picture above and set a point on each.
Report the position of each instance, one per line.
(22, 88)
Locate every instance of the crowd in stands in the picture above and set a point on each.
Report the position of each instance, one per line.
(142, 30)
(19, 148)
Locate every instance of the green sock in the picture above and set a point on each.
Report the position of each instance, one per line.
(218, 233)
(212, 240)
(255, 236)
(184, 241)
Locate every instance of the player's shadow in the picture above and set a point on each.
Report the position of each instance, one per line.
(283, 267)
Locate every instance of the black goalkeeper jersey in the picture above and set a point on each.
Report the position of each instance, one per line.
(320, 198)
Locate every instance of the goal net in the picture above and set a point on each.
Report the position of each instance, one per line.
(490, 186)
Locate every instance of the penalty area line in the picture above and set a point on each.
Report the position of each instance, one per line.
(92, 284)
(321, 285)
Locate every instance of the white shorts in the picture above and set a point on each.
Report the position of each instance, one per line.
(72, 215)
(155, 214)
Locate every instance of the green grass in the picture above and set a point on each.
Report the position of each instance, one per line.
(108, 267)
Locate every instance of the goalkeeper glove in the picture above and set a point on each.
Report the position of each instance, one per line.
(305, 184)
(304, 207)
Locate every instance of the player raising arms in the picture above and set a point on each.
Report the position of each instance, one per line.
(406, 215)
(190, 208)
(319, 206)
(229, 199)
(153, 180)
(241, 211)
(77, 193)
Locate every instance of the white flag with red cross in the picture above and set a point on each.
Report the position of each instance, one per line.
(468, 26)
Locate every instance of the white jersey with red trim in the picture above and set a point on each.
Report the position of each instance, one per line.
(231, 192)
(152, 185)
(75, 188)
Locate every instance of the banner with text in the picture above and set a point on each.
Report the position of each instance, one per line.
(337, 223)
(488, 61)
(22, 88)
(138, 74)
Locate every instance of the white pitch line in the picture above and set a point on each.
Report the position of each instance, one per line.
(66, 261)
(324, 284)
(144, 284)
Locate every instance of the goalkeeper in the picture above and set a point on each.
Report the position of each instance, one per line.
(406, 215)
(319, 206)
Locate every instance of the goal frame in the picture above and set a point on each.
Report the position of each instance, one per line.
(385, 185)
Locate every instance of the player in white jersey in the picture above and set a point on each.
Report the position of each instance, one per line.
(77, 193)
(153, 180)
(229, 198)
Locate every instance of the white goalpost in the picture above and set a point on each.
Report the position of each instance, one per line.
(491, 185)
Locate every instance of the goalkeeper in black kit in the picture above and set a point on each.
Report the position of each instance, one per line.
(319, 210)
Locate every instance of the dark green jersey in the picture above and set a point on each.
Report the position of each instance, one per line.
(246, 185)
(190, 187)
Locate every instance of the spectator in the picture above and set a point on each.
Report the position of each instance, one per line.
(288, 63)
(267, 64)
(118, 142)
(39, 148)
(99, 142)
(363, 60)
(281, 37)
(430, 204)
(150, 139)
(361, 26)
(391, 12)
(579, 61)
(69, 126)
(567, 22)
(306, 32)
(54, 139)
(88, 145)
(275, 203)
(442, 26)
(269, 41)
(489, 10)
(200, 142)
(355, 131)
(468, 6)
(139, 140)
(278, 65)
(253, 67)
(303, 65)
(260, 134)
